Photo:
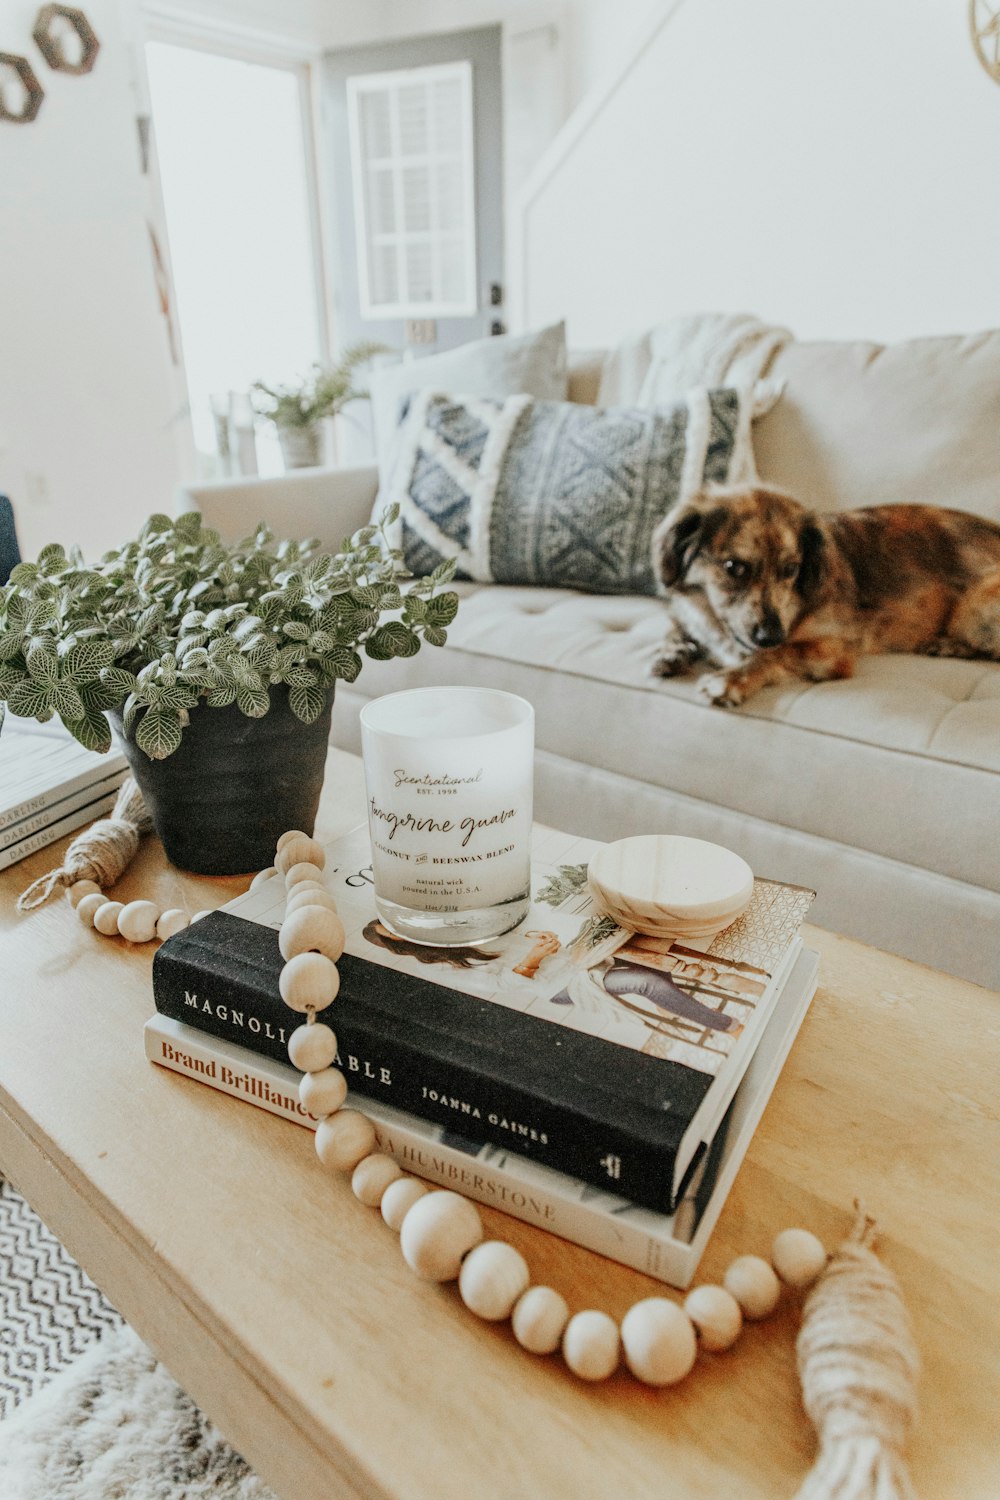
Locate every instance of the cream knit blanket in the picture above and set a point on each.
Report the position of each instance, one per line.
(660, 367)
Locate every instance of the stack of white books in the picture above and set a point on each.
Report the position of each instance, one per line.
(50, 785)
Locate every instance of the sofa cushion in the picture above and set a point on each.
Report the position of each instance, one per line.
(903, 760)
(532, 364)
(873, 424)
(549, 492)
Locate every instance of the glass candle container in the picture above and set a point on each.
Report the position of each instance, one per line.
(449, 774)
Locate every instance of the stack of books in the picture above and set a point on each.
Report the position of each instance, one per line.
(577, 1075)
(50, 785)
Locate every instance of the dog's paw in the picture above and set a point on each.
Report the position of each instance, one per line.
(674, 659)
(727, 689)
(960, 649)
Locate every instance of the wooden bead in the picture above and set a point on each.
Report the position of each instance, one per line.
(493, 1276)
(591, 1345)
(137, 921)
(322, 1093)
(372, 1176)
(291, 833)
(261, 876)
(754, 1285)
(437, 1232)
(296, 874)
(312, 1048)
(659, 1341)
(309, 981)
(539, 1320)
(308, 894)
(314, 883)
(89, 905)
(716, 1315)
(344, 1139)
(299, 849)
(106, 918)
(171, 922)
(312, 929)
(80, 888)
(797, 1255)
(399, 1197)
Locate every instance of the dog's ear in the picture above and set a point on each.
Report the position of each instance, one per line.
(677, 541)
(812, 560)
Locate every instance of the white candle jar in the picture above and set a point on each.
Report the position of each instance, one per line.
(449, 774)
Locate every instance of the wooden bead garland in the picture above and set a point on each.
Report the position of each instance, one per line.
(441, 1233)
(135, 921)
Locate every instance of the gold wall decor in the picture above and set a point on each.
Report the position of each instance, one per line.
(51, 45)
(32, 92)
(984, 24)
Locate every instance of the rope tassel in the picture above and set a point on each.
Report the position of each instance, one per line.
(101, 853)
(858, 1364)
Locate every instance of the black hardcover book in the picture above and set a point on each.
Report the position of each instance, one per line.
(608, 1056)
(591, 1109)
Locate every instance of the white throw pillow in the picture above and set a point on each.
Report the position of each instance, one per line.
(529, 364)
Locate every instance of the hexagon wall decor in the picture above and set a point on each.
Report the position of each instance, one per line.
(51, 45)
(32, 89)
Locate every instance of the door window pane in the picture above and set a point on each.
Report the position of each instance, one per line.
(414, 191)
(231, 153)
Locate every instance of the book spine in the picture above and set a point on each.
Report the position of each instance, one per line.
(55, 831)
(453, 1094)
(554, 1205)
(88, 780)
(58, 808)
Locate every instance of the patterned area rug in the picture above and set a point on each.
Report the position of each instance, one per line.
(87, 1411)
(50, 1311)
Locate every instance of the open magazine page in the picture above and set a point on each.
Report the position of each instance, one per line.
(568, 963)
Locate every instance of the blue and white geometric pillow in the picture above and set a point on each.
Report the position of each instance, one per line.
(552, 492)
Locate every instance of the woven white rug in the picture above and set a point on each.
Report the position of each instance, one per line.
(90, 1413)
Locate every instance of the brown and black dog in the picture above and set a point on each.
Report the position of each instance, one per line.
(765, 590)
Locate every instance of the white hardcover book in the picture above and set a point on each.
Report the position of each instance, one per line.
(55, 811)
(42, 764)
(86, 813)
(667, 1247)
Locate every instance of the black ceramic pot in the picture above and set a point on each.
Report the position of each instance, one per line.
(222, 800)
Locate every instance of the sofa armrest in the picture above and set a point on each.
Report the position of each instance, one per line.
(325, 503)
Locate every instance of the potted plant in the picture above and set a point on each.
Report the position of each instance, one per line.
(298, 411)
(217, 665)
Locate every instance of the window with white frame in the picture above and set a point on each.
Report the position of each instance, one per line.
(414, 191)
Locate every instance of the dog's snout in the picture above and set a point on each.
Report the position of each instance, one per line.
(769, 631)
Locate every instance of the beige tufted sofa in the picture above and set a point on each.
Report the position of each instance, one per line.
(883, 792)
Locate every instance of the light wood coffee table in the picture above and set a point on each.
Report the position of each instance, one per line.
(286, 1311)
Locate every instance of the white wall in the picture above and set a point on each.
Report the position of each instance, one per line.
(833, 168)
(87, 446)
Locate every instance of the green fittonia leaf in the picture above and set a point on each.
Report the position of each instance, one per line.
(176, 618)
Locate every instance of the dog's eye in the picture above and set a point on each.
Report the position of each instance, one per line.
(737, 569)
(788, 571)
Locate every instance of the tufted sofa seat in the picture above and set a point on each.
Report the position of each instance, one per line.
(881, 792)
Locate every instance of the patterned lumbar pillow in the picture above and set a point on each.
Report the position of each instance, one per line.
(552, 493)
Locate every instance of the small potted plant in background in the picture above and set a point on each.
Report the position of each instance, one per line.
(298, 411)
(217, 665)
